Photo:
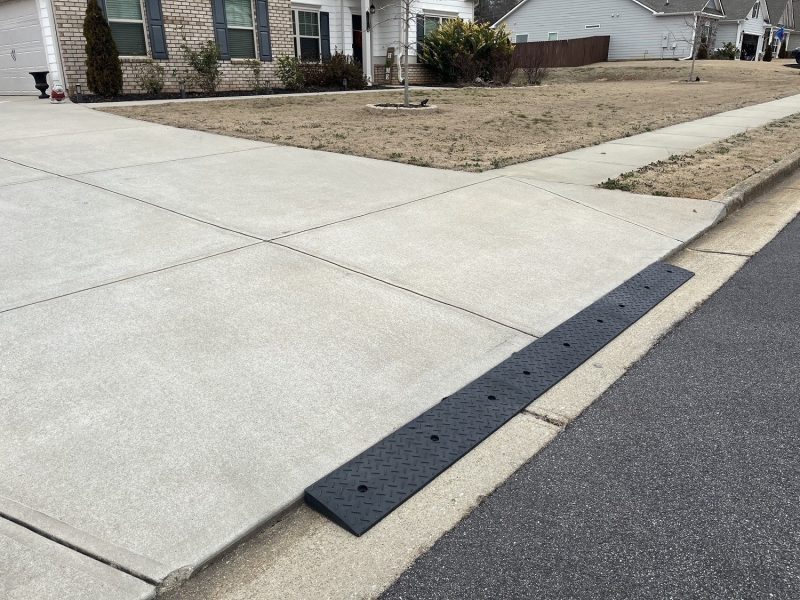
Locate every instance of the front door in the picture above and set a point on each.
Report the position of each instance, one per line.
(358, 55)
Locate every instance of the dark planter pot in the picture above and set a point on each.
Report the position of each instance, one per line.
(40, 82)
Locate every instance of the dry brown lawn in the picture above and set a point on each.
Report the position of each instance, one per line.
(712, 169)
(483, 128)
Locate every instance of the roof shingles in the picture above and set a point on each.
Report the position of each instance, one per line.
(679, 6)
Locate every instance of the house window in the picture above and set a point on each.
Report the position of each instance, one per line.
(521, 38)
(552, 36)
(433, 22)
(241, 35)
(127, 26)
(305, 28)
(756, 9)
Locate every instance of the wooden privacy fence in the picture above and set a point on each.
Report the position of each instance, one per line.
(562, 53)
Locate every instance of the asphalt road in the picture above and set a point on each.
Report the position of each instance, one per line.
(682, 481)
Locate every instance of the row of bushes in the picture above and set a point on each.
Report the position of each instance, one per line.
(104, 71)
(340, 71)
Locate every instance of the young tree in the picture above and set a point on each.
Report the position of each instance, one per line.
(697, 37)
(103, 70)
(405, 16)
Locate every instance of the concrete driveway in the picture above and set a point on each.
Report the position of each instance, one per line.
(193, 328)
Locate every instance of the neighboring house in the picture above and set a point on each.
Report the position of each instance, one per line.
(745, 24)
(751, 25)
(47, 35)
(639, 29)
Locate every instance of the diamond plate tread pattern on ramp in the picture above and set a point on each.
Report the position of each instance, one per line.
(363, 491)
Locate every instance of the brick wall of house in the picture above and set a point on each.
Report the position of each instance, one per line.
(418, 74)
(191, 19)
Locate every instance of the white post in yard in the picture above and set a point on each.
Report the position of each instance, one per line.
(366, 40)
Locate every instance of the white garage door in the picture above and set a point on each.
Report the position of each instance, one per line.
(21, 47)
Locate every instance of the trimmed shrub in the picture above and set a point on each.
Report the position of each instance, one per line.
(768, 54)
(314, 75)
(290, 73)
(727, 52)
(296, 75)
(341, 67)
(462, 51)
(103, 69)
(205, 64)
(150, 77)
(260, 84)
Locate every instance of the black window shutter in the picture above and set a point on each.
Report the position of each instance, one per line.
(155, 24)
(325, 36)
(420, 32)
(102, 5)
(220, 28)
(262, 21)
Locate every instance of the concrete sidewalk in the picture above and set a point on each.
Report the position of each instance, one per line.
(193, 327)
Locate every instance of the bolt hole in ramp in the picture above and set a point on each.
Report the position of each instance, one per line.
(363, 491)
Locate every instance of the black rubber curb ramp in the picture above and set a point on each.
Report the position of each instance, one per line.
(363, 491)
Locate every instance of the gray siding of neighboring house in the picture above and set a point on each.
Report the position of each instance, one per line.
(727, 32)
(635, 32)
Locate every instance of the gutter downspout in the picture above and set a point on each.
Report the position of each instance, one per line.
(401, 69)
(694, 37)
(51, 12)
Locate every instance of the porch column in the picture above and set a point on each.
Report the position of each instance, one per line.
(739, 40)
(366, 37)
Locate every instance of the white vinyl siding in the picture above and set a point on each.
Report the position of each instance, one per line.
(241, 34)
(125, 17)
(727, 32)
(636, 33)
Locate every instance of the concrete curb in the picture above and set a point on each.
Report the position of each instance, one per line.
(402, 110)
(743, 192)
(757, 184)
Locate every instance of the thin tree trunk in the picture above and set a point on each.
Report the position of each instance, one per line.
(406, 93)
